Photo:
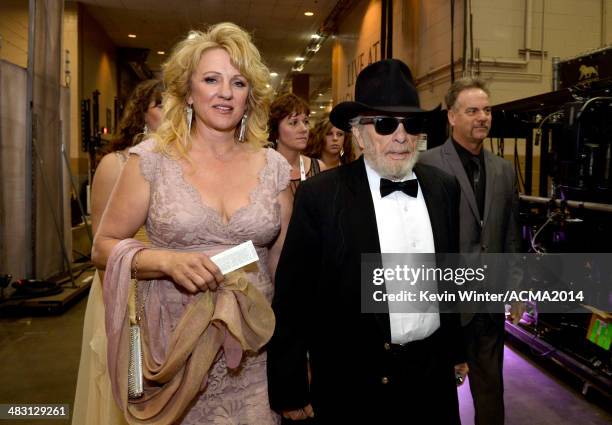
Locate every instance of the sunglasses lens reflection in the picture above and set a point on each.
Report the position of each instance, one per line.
(387, 125)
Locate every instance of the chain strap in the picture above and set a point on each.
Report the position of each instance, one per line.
(139, 307)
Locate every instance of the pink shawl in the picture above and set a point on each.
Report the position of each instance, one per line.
(235, 318)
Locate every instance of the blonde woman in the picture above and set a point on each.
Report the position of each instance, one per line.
(203, 183)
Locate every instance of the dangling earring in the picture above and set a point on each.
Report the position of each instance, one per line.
(342, 152)
(189, 112)
(145, 130)
(242, 132)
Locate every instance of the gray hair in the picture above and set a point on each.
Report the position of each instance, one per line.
(354, 122)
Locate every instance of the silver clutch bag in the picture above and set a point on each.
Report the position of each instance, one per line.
(135, 385)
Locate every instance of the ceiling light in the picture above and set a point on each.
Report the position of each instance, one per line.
(161, 52)
(274, 74)
(132, 35)
(320, 94)
(308, 14)
(321, 107)
(268, 85)
(299, 58)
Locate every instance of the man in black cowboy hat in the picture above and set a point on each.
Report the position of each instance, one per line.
(375, 368)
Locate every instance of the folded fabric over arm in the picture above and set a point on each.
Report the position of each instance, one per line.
(236, 318)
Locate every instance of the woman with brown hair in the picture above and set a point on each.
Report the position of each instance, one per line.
(330, 144)
(94, 403)
(289, 126)
(142, 114)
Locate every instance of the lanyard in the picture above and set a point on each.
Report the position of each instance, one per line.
(302, 171)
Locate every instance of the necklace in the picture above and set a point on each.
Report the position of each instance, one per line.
(302, 168)
(302, 171)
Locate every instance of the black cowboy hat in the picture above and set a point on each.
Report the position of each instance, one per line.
(385, 86)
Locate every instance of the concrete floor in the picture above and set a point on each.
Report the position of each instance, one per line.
(537, 396)
(39, 358)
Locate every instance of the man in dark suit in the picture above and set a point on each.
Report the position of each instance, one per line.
(375, 368)
(488, 214)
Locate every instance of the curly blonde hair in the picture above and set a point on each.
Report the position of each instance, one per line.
(173, 138)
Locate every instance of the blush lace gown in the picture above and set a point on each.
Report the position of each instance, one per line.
(178, 219)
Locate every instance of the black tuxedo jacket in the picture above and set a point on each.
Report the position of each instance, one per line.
(317, 294)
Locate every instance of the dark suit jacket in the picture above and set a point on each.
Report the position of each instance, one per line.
(498, 231)
(317, 294)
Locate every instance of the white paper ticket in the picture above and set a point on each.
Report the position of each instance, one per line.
(236, 257)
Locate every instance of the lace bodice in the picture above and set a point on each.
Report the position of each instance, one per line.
(179, 219)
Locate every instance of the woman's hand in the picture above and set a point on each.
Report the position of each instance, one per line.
(193, 271)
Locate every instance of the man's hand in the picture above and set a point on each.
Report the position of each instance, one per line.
(516, 312)
(461, 370)
(299, 414)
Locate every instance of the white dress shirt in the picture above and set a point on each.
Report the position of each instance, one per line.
(404, 227)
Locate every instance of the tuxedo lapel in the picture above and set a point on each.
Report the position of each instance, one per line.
(362, 217)
(454, 164)
(362, 223)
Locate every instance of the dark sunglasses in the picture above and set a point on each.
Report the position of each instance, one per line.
(387, 125)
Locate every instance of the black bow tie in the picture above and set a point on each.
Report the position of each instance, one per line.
(409, 187)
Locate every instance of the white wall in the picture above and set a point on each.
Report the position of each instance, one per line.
(356, 45)
(563, 28)
(422, 39)
(570, 28)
